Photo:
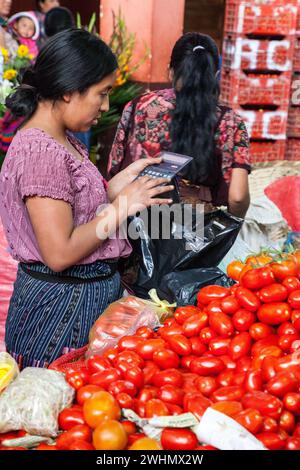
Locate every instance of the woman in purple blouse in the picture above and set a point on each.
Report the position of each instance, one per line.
(51, 193)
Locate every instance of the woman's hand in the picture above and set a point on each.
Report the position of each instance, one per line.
(127, 176)
(142, 193)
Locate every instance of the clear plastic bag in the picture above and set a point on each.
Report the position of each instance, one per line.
(8, 370)
(123, 317)
(33, 402)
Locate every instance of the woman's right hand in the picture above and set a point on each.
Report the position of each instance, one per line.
(142, 193)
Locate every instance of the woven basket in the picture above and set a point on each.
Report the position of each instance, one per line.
(72, 360)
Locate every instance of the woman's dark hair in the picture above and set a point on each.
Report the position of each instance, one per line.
(195, 63)
(71, 61)
(38, 2)
(58, 19)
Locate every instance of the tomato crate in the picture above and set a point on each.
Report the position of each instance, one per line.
(267, 151)
(293, 127)
(264, 124)
(242, 53)
(271, 18)
(246, 89)
(296, 61)
(293, 150)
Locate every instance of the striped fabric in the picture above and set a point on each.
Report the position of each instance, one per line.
(46, 320)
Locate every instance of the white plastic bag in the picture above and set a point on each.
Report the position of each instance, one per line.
(33, 402)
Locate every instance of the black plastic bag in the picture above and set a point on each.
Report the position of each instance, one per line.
(153, 259)
(182, 287)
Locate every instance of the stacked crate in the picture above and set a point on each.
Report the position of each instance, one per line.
(293, 129)
(257, 61)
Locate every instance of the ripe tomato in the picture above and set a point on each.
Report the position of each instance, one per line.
(273, 293)
(294, 299)
(247, 299)
(285, 268)
(282, 383)
(149, 372)
(229, 408)
(195, 403)
(178, 439)
(287, 342)
(221, 324)
(243, 319)
(194, 324)
(70, 417)
(168, 377)
(135, 375)
(259, 331)
(86, 392)
(46, 447)
(207, 334)
(269, 425)
(255, 279)
(206, 385)
(243, 364)
(102, 405)
(147, 394)
(267, 404)
(287, 422)
(167, 331)
(166, 359)
(209, 293)
(292, 443)
(291, 284)
(129, 427)
(145, 443)
(79, 432)
(259, 260)
(131, 358)
(77, 378)
(219, 346)
(122, 386)
(171, 394)
(147, 348)
(97, 364)
(198, 348)
(268, 368)
(274, 313)
(286, 328)
(230, 305)
(210, 366)
(251, 419)
(183, 313)
(271, 440)
(231, 393)
(234, 269)
(180, 345)
(144, 332)
(110, 354)
(110, 435)
(253, 380)
(129, 343)
(81, 445)
(240, 346)
(125, 401)
(156, 407)
(291, 402)
(226, 378)
(105, 378)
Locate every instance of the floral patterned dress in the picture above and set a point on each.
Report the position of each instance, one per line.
(144, 131)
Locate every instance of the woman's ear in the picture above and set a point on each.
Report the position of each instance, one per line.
(67, 97)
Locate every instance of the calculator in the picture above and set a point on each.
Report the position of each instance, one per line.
(171, 165)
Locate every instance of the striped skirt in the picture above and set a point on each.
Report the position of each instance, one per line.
(48, 319)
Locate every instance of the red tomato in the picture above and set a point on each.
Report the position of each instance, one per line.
(259, 331)
(273, 293)
(178, 439)
(253, 380)
(166, 359)
(105, 378)
(284, 269)
(86, 392)
(251, 419)
(269, 425)
(213, 307)
(231, 393)
(291, 402)
(207, 334)
(229, 363)
(183, 313)
(229, 408)
(168, 377)
(247, 299)
(206, 385)
(243, 364)
(186, 361)
(209, 293)
(125, 401)
(287, 422)
(240, 346)
(156, 407)
(131, 357)
(81, 432)
(196, 404)
(68, 418)
(145, 332)
(271, 440)
(194, 324)
(234, 270)
(269, 368)
(147, 348)
(219, 346)
(78, 378)
(266, 404)
(282, 383)
(129, 427)
(147, 394)
(286, 342)
(255, 279)
(170, 394)
(286, 328)
(46, 447)
(149, 372)
(110, 354)
(292, 443)
(81, 445)
(221, 324)
(291, 284)
(290, 363)
(135, 375)
(294, 299)
(97, 364)
(122, 386)
(210, 366)
(198, 348)
(226, 378)
(243, 319)
(274, 313)
(230, 305)
(129, 343)
(261, 344)
(180, 345)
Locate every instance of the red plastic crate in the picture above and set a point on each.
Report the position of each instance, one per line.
(269, 18)
(263, 124)
(293, 127)
(293, 150)
(254, 89)
(267, 151)
(242, 53)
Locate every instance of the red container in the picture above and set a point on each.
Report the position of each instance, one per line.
(242, 53)
(293, 150)
(293, 128)
(296, 61)
(254, 89)
(267, 151)
(263, 124)
(271, 18)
